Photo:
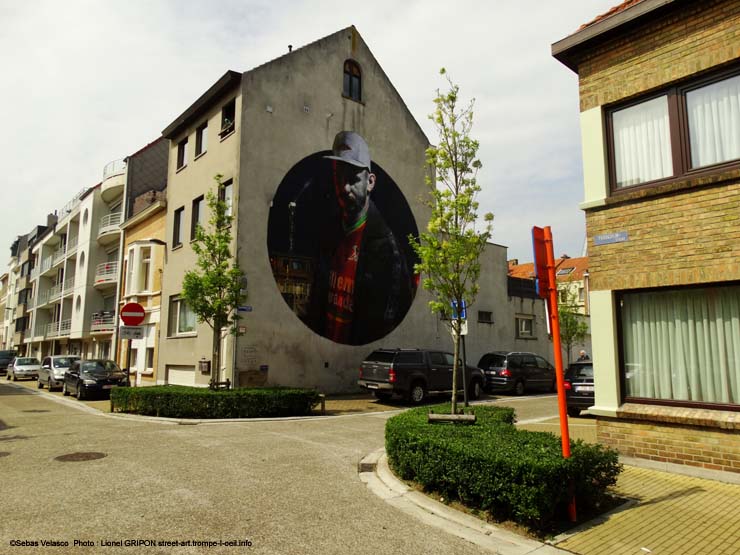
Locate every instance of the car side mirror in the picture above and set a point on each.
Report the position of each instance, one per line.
(46, 366)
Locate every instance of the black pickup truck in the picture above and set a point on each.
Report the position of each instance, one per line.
(414, 373)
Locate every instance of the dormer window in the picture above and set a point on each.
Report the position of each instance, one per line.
(352, 87)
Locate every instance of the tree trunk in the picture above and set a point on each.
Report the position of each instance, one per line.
(456, 327)
(216, 359)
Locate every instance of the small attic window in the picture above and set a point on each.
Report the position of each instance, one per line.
(228, 116)
(565, 271)
(352, 87)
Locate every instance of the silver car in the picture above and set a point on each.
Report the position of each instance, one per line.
(23, 367)
(52, 370)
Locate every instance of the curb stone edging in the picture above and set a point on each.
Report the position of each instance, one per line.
(374, 471)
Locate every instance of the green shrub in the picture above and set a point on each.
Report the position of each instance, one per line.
(492, 466)
(176, 401)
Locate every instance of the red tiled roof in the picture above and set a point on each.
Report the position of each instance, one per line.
(613, 11)
(579, 265)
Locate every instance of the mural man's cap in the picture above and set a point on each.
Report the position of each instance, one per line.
(351, 148)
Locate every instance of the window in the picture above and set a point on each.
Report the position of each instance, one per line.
(525, 326)
(134, 359)
(352, 85)
(197, 216)
(181, 319)
(224, 195)
(150, 358)
(228, 117)
(409, 358)
(565, 271)
(485, 317)
(201, 139)
(182, 153)
(177, 228)
(581, 295)
(676, 132)
(145, 266)
(130, 272)
(682, 345)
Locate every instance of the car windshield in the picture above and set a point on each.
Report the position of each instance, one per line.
(489, 360)
(581, 371)
(98, 366)
(64, 362)
(26, 361)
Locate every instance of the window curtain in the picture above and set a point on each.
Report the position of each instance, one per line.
(683, 345)
(714, 122)
(642, 142)
(186, 321)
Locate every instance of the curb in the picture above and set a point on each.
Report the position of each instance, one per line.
(375, 472)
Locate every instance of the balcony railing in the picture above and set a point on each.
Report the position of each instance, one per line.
(46, 264)
(40, 330)
(103, 323)
(58, 256)
(68, 286)
(42, 298)
(58, 329)
(109, 223)
(61, 289)
(71, 245)
(116, 167)
(107, 272)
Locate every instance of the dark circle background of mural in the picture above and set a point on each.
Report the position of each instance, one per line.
(304, 212)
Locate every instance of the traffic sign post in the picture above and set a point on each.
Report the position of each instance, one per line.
(132, 315)
(544, 267)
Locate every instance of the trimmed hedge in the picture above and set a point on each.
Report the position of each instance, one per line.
(513, 474)
(177, 401)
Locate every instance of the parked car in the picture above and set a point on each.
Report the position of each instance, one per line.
(6, 357)
(517, 372)
(414, 373)
(87, 377)
(579, 387)
(52, 370)
(23, 367)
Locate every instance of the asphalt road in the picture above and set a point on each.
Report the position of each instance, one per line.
(282, 487)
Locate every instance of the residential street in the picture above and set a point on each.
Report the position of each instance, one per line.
(286, 486)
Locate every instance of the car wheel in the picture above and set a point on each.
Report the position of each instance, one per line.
(48, 385)
(15, 378)
(80, 394)
(574, 412)
(39, 384)
(519, 388)
(475, 390)
(417, 393)
(65, 390)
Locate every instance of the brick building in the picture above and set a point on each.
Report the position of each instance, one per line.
(659, 85)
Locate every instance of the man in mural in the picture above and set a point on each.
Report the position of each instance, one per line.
(362, 287)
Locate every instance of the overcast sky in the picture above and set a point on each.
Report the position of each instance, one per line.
(88, 82)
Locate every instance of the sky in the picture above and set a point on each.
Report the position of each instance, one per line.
(88, 82)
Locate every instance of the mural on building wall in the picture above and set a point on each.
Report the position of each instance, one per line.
(338, 243)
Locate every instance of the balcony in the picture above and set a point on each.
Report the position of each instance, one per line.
(59, 329)
(71, 245)
(106, 275)
(58, 256)
(60, 289)
(103, 322)
(109, 228)
(39, 332)
(42, 298)
(46, 265)
(114, 178)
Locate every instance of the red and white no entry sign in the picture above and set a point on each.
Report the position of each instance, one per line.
(132, 314)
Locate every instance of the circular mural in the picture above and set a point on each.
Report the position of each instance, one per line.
(338, 243)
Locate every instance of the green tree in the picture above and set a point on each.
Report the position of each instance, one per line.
(450, 248)
(213, 290)
(573, 327)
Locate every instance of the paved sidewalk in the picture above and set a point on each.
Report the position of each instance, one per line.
(674, 514)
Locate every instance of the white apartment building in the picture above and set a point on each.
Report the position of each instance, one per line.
(76, 273)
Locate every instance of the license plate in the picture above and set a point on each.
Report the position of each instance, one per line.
(372, 386)
(108, 387)
(584, 389)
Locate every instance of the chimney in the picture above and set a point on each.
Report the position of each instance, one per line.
(513, 262)
(51, 219)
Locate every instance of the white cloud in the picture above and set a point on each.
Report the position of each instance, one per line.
(87, 82)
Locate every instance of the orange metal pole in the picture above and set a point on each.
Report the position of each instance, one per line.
(559, 375)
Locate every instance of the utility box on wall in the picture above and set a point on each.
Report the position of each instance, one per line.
(204, 366)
